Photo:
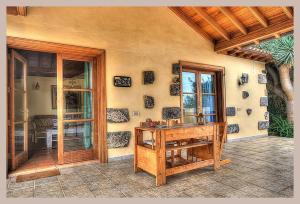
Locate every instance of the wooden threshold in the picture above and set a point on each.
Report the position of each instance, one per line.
(37, 175)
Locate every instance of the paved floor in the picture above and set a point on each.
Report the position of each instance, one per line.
(261, 168)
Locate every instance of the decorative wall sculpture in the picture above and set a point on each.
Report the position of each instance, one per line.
(264, 101)
(117, 115)
(243, 79)
(171, 113)
(262, 125)
(249, 111)
(122, 81)
(233, 128)
(262, 79)
(148, 77)
(245, 94)
(176, 80)
(175, 69)
(118, 139)
(175, 89)
(267, 115)
(149, 101)
(230, 111)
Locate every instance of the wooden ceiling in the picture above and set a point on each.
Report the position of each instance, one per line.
(44, 65)
(234, 29)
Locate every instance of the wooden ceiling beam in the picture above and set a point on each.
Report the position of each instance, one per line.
(233, 19)
(200, 11)
(234, 51)
(282, 27)
(259, 16)
(16, 10)
(256, 42)
(276, 35)
(288, 12)
(192, 24)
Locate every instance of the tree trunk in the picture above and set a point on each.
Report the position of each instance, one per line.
(288, 89)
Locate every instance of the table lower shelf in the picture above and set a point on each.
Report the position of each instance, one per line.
(188, 166)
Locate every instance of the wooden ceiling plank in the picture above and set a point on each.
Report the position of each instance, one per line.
(259, 16)
(192, 24)
(288, 12)
(17, 10)
(200, 11)
(282, 27)
(233, 19)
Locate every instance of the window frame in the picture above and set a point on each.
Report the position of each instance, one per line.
(219, 91)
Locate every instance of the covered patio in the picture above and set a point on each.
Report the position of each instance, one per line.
(123, 107)
(261, 167)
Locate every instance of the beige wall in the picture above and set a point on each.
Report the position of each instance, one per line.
(138, 39)
(39, 101)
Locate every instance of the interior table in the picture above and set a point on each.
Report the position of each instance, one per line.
(204, 143)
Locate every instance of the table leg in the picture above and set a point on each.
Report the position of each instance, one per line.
(138, 138)
(216, 148)
(49, 139)
(160, 158)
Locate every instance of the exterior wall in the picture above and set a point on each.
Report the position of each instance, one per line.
(138, 39)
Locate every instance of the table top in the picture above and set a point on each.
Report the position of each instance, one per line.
(165, 127)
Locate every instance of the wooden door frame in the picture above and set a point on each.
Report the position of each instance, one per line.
(185, 65)
(98, 56)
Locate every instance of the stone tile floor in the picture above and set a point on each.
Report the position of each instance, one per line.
(260, 167)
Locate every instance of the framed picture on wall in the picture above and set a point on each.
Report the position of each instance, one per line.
(72, 99)
(54, 96)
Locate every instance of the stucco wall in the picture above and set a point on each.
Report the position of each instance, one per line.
(138, 39)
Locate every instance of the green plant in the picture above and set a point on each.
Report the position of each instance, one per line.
(282, 49)
(280, 126)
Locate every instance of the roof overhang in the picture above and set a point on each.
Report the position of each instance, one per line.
(233, 30)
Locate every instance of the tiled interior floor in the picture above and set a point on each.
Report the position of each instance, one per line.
(261, 167)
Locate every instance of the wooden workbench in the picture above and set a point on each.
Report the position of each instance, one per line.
(153, 159)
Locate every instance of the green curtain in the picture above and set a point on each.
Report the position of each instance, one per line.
(87, 107)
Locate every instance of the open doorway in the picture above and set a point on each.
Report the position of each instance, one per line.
(33, 97)
(56, 104)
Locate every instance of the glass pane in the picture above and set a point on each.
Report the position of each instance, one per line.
(210, 118)
(78, 105)
(188, 82)
(208, 104)
(189, 119)
(78, 136)
(189, 104)
(19, 75)
(207, 81)
(19, 105)
(19, 138)
(77, 74)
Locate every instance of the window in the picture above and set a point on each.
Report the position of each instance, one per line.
(199, 95)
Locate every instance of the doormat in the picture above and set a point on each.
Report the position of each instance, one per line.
(37, 175)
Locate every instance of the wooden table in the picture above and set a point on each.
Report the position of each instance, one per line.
(152, 158)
